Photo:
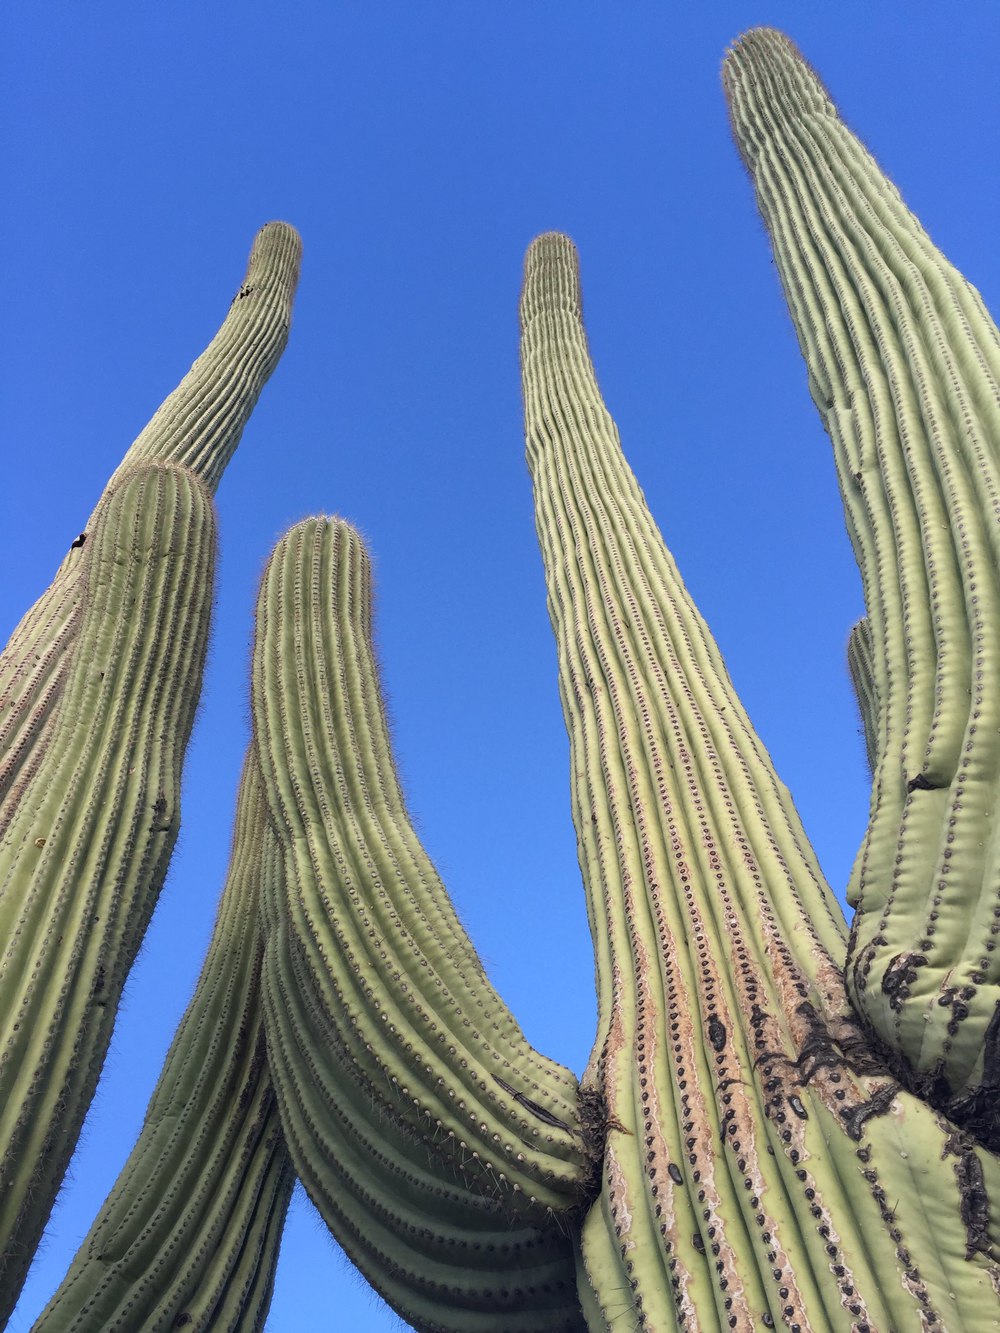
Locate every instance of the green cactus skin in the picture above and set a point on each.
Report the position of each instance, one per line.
(861, 665)
(199, 425)
(201, 422)
(904, 365)
(65, 869)
(86, 845)
(759, 1171)
(444, 1153)
(189, 1234)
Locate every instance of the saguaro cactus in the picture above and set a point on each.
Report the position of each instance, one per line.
(760, 1162)
(98, 688)
(904, 365)
(756, 1151)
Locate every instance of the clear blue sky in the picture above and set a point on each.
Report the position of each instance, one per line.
(419, 147)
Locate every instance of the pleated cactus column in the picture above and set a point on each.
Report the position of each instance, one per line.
(449, 1159)
(761, 1169)
(904, 366)
(189, 1235)
(98, 689)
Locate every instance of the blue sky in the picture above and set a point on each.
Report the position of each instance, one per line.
(419, 147)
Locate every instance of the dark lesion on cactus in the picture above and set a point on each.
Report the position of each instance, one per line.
(978, 1112)
(161, 817)
(856, 1117)
(899, 976)
(975, 1207)
(716, 1033)
(822, 1050)
(923, 783)
(533, 1108)
(77, 542)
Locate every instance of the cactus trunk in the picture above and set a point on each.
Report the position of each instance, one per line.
(755, 1151)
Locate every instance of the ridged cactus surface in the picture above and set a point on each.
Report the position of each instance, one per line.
(904, 365)
(98, 688)
(86, 844)
(861, 665)
(755, 1152)
(446, 1155)
(201, 422)
(761, 1139)
(189, 1235)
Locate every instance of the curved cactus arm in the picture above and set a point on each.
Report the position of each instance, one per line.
(904, 362)
(201, 422)
(861, 665)
(440, 1148)
(752, 1173)
(442, 1256)
(189, 1234)
(86, 846)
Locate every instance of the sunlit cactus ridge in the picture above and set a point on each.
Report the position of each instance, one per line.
(904, 366)
(98, 690)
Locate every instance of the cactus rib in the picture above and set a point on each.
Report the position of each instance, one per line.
(723, 1017)
(189, 1233)
(435, 1142)
(905, 367)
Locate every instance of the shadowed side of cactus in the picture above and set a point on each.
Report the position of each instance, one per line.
(189, 1235)
(904, 365)
(446, 1155)
(760, 1169)
(98, 688)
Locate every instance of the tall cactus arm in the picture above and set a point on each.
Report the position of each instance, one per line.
(85, 848)
(189, 1234)
(904, 364)
(752, 1172)
(441, 1149)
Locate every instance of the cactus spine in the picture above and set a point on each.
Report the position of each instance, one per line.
(904, 365)
(98, 688)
